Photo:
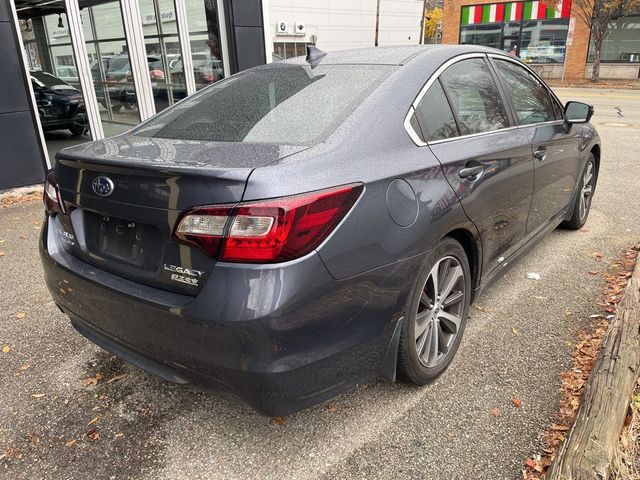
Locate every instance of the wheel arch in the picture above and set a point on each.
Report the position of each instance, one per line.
(472, 248)
(596, 153)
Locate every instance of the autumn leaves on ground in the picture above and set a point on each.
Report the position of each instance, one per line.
(574, 380)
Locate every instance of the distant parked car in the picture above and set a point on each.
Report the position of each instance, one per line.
(68, 74)
(119, 80)
(305, 226)
(60, 105)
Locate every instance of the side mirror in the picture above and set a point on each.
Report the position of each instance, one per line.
(578, 112)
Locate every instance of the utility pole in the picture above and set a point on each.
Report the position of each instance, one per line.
(422, 25)
(377, 21)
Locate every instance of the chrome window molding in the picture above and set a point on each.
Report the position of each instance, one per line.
(417, 139)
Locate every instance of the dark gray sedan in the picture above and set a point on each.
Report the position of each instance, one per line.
(307, 225)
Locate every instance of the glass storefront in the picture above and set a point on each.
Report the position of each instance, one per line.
(534, 31)
(206, 45)
(622, 44)
(50, 57)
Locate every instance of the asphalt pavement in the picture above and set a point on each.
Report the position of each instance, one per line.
(54, 424)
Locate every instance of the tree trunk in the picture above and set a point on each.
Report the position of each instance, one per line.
(597, 46)
(588, 451)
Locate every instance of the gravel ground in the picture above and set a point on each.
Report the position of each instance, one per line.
(54, 427)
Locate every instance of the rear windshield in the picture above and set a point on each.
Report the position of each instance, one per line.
(284, 104)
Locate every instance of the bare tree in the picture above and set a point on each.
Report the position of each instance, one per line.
(598, 16)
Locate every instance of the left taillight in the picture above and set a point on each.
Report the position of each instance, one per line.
(267, 231)
(51, 196)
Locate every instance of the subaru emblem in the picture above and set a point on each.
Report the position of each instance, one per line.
(103, 186)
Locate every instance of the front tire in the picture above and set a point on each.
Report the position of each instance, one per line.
(582, 204)
(437, 314)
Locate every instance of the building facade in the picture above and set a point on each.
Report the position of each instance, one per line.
(77, 70)
(551, 38)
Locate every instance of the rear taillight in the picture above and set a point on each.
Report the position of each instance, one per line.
(157, 74)
(266, 231)
(51, 196)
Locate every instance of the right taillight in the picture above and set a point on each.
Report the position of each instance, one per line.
(51, 196)
(267, 231)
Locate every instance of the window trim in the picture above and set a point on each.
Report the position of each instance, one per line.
(415, 137)
(537, 77)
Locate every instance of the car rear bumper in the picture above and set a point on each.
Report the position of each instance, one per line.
(281, 337)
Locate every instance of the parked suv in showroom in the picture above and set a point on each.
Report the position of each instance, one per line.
(60, 105)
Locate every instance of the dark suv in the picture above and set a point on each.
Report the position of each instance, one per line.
(60, 105)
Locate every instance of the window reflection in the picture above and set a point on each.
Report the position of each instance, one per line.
(206, 47)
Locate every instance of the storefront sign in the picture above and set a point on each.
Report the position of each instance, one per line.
(514, 11)
(166, 16)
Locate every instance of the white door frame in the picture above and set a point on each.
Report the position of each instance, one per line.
(138, 58)
(83, 67)
(185, 45)
(32, 95)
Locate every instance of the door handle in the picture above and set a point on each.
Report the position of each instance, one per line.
(540, 153)
(467, 172)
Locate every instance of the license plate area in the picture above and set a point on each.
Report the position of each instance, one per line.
(126, 242)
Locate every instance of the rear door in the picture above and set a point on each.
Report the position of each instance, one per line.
(555, 151)
(488, 163)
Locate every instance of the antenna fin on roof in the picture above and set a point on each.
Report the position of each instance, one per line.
(314, 55)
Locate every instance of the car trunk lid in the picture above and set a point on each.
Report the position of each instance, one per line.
(126, 227)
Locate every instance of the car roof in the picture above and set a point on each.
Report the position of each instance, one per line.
(391, 55)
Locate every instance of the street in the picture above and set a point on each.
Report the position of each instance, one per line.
(518, 340)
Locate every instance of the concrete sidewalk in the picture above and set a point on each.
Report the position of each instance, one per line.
(54, 427)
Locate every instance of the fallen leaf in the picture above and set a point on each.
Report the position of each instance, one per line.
(277, 421)
(24, 367)
(39, 395)
(20, 315)
(568, 312)
(92, 381)
(495, 412)
(117, 377)
(516, 402)
(6, 349)
(70, 443)
(559, 428)
(33, 438)
(2, 254)
(533, 276)
(93, 420)
(514, 331)
(332, 409)
(593, 272)
(118, 435)
(531, 463)
(93, 434)
(484, 309)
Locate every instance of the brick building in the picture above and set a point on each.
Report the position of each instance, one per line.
(537, 33)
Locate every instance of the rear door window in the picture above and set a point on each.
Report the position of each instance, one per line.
(283, 104)
(474, 97)
(530, 98)
(435, 116)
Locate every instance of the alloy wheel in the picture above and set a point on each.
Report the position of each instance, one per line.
(587, 191)
(440, 310)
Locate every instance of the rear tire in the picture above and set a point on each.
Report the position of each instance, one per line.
(437, 314)
(582, 204)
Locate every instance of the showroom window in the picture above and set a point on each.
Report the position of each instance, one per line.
(622, 44)
(206, 44)
(486, 35)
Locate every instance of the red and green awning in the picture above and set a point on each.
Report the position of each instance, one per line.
(512, 11)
